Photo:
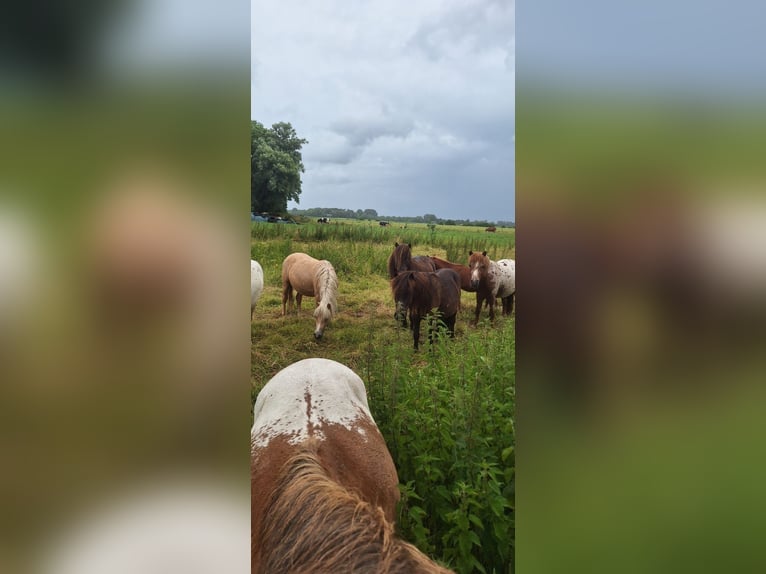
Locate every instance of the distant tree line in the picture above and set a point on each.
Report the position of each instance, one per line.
(337, 212)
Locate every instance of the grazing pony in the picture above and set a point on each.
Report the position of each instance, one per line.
(491, 229)
(256, 284)
(492, 279)
(462, 270)
(324, 488)
(421, 291)
(401, 259)
(313, 278)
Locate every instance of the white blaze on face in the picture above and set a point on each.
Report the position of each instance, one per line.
(299, 400)
(475, 276)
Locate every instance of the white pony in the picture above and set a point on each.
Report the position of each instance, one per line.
(256, 284)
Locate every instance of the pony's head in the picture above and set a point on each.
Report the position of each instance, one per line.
(323, 313)
(327, 298)
(400, 260)
(478, 263)
(401, 288)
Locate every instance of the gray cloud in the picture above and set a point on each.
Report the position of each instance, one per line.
(408, 107)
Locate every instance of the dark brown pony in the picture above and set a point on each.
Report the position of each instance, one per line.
(312, 524)
(421, 291)
(462, 270)
(401, 259)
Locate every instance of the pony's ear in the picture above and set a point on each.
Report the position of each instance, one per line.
(409, 245)
(470, 253)
(329, 307)
(484, 253)
(396, 244)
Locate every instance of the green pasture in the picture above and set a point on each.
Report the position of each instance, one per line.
(446, 411)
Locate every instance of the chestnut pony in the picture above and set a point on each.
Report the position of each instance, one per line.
(462, 270)
(324, 488)
(492, 279)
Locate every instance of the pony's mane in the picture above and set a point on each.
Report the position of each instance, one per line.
(314, 525)
(401, 257)
(327, 290)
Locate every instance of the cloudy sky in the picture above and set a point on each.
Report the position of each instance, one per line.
(408, 106)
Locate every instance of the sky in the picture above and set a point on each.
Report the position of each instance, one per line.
(408, 107)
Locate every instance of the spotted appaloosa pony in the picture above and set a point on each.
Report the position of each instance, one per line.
(313, 278)
(324, 488)
(492, 279)
(400, 260)
(256, 284)
(421, 291)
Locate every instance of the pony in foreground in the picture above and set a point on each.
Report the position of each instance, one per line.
(492, 279)
(256, 284)
(421, 291)
(313, 278)
(324, 488)
(400, 260)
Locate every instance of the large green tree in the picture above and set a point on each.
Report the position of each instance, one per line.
(276, 165)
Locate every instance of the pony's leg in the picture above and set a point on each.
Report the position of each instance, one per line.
(287, 295)
(298, 299)
(510, 303)
(415, 323)
(479, 301)
(491, 303)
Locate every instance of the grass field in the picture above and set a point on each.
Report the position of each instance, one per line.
(446, 412)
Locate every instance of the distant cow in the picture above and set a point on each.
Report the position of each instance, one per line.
(323, 220)
(491, 229)
(383, 223)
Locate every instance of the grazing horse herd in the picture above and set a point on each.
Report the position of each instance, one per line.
(324, 488)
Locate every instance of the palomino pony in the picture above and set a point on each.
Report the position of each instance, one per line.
(421, 291)
(324, 488)
(401, 259)
(492, 279)
(256, 284)
(313, 278)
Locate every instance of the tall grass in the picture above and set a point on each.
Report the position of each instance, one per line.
(455, 241)
(447, 418)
